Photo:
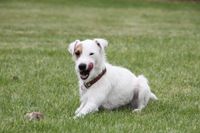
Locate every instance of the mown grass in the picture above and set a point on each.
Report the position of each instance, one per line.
(159, 39)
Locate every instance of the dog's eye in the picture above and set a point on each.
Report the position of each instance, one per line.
(77, 53)
(91, 53)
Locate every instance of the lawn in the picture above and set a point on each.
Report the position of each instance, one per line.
(158, 39)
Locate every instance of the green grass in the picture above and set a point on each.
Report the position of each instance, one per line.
(159, 39)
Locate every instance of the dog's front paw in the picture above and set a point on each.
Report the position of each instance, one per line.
(77, 111)
(79, 115)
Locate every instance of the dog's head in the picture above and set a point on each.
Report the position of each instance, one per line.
(89, 56)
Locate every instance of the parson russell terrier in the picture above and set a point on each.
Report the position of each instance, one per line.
(104, 85)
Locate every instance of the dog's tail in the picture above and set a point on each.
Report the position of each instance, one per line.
(142, 80)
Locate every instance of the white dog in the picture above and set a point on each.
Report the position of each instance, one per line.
(104, 85)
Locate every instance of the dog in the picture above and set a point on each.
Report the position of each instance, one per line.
(104, 85)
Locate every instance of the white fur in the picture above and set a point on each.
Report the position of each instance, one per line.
(116, 87)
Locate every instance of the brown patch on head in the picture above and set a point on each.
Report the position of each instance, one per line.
(78, 50)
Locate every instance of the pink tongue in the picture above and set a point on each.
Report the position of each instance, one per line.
(90, 66)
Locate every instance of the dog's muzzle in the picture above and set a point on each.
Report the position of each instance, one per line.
(84, 70)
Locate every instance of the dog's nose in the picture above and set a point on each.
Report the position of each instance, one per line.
(82, 66)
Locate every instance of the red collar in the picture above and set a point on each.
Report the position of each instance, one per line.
(90, 83)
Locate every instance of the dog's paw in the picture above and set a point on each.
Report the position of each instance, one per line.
(79, 115)
(75, 117)
(77, 111)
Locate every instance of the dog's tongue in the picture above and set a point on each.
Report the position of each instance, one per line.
(90, 66)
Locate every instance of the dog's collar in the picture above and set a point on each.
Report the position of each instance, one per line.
(90, 83)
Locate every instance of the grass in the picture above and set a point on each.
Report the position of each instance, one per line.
(159, 39)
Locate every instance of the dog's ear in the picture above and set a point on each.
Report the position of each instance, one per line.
(72, 46)
(102, 43)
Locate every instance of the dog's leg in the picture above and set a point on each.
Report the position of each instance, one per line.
(79, 108)
(139, 100)
(92, 99)
(88, 108)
